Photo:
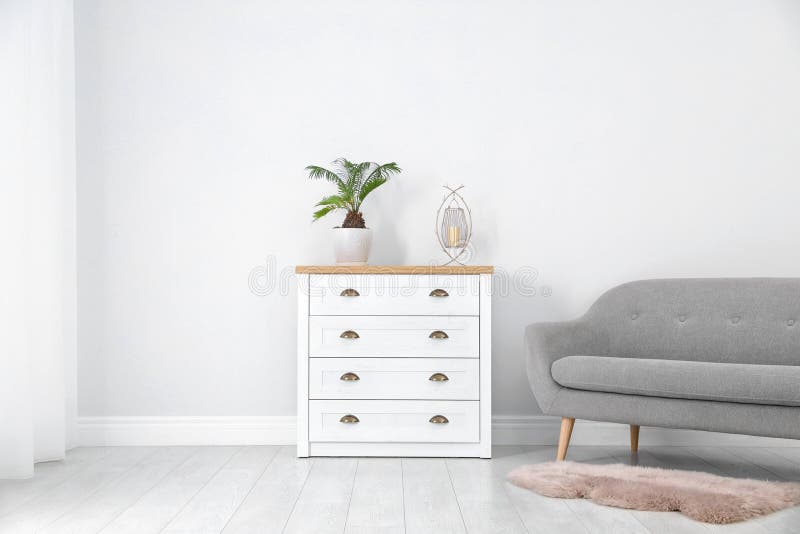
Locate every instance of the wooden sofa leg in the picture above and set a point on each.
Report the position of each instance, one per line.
(634, 438)
(563, 439)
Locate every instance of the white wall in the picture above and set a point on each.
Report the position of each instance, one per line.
(599, 142)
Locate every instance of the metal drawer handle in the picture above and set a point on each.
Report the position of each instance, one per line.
(349, 334)
(349, 293)
(349, 377)
(349, 419)
(439, 420)
(439, 293)
(438, 377)
(438, 334)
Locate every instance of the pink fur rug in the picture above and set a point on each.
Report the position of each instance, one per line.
(701, 496)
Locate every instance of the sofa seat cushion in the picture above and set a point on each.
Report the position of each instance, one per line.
(728, 382)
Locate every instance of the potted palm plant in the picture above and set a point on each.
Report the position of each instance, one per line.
(352, 240)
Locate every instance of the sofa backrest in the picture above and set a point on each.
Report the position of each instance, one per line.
(742, 320)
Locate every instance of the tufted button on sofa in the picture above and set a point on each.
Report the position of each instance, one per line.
(705, 354)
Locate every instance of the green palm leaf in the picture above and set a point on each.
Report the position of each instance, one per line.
(333, 200)
(379, 176)
(369, 186)
(353, 180)
(320, 213)
(320, 173)
(349, 173)
(359, 172)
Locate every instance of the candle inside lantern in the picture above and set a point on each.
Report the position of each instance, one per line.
(453, 236)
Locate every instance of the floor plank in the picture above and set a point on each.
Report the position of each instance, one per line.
(156, 508)
(480, 489)
(210, 509)
(430, 502)
(539, 514)
(781, 467)
(731, 464)
(103, 506)
(268, 490)
(790, 453)
(266, 509)
(681, 458)
(542, 515)
(52, 504)
(325, 498)
(376, 506)
(47, 475)
(597, 518)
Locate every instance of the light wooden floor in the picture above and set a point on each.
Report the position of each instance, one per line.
(266, 489)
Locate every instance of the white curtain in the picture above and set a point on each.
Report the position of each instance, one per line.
(37, 234)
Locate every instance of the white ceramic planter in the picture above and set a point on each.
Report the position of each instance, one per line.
(351, 245)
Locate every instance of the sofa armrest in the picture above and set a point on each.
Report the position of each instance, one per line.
(547, 342)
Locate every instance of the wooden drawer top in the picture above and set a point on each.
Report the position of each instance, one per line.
(394, 269)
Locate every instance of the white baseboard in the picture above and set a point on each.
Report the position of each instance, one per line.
(280, 430)
(193, 430)
(544, 430)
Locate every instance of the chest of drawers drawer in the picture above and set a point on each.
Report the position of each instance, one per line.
(394, 362)
(394, 421)
(394, 378)
(393, 336)
(393, 295)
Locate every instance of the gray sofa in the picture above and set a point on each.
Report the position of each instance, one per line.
(709, 354)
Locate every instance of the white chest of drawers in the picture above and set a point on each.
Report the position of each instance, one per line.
(394, 361)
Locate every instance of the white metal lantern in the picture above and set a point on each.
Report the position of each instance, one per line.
(454, 225)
